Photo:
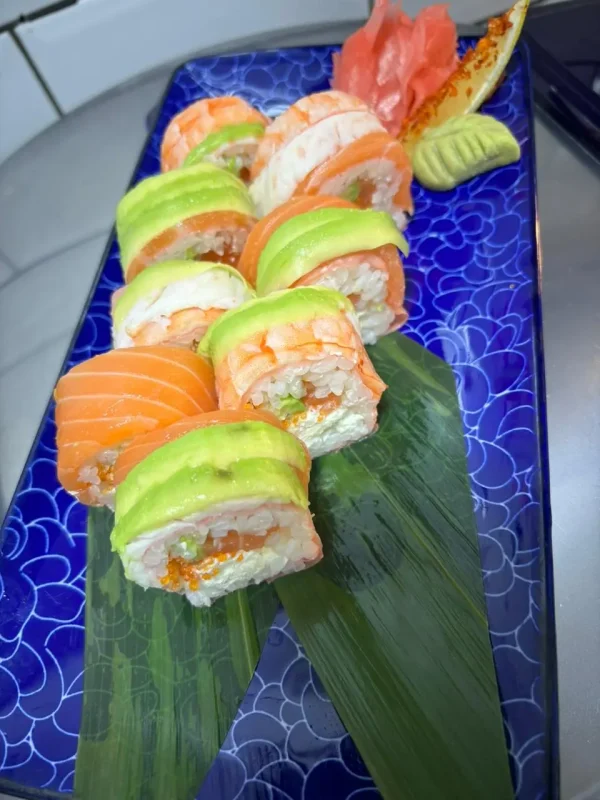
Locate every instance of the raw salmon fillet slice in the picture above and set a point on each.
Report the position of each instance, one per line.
(112, 398)
(265, 227)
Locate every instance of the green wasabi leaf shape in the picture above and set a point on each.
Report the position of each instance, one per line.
(462, 148)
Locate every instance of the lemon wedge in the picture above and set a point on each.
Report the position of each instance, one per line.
(474, 80)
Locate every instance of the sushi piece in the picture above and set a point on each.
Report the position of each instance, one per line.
(331, 143)
(222, 130)
(221, 507)
(202, 212)
(175, 302)
(373, 171)
(105, 403)
(354, 251)
(298, 353)
(265, 227)
(142, 446)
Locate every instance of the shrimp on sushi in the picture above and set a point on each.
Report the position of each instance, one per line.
(203, 212)
(298, 353)
(331, 143)
(175, 302)
(217, 508)
(222, 130)
(104, 403)
(316, 241)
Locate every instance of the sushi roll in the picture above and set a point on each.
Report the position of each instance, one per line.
(175, 302)
(352, 250)
(265, 227)
(221, 507)
(105, 403)
(202, 212)
(298, 353)
(142, 446)
(331, 143)
(222, 130)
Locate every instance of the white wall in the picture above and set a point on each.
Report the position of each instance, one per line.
(11, 10)
(24, 108)
(95, 45)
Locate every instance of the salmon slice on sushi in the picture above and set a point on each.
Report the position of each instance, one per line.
(106, 402)
(374, 171)
(345, 248)
(331, 143)
(266, 227)
(222, 130)
(217, 509)
(203, 213)
(174, 303)
(298, 353)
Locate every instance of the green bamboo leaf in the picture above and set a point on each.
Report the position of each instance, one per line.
(163, 680)
(394, 618)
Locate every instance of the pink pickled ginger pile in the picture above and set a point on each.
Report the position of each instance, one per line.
(394, 63)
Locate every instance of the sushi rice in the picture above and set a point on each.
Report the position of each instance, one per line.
(216, 509)
(384, 178)
(298, 353)
(98, 477)
(158, 559)
(177, 312)
(356, 277)
(220, 241)
(374, 171)
(353, 419)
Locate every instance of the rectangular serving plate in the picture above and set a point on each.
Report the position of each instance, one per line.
(474, 299)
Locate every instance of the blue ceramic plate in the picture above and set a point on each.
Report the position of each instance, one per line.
(473, 298)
